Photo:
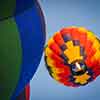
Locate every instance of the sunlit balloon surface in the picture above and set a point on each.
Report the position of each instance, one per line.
(72, 56)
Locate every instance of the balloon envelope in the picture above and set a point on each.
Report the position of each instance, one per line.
(72, 56)
(22, 38)
(25, 94)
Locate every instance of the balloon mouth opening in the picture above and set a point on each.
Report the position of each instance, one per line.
(78, 68)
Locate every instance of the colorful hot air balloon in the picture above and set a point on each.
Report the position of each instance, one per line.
(72, 56)
(22, 38)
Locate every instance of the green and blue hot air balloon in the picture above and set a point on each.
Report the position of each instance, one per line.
(22, 38)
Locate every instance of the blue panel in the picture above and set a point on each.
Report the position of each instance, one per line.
(63, 47)
(22, 5)
(66, 37)
(32, 34)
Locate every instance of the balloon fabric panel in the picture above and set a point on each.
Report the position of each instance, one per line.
(33, 27)
(10, 57)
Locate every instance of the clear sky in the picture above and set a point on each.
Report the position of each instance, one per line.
(59, 14)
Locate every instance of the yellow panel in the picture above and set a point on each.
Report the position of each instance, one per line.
(82, 79)
(55, 76)
(55, 70)
(82, 29)
(69, 44)
(96, 44)
(73, 52)
(50, 41)
(97, 55)
(50, 62)
(48, 51)
(91, 36)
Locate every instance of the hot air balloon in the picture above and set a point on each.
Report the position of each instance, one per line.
(72, 56)
(22, 38)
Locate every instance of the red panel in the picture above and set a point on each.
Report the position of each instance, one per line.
(66, 30)
(58, 39)
(88, 62)
(66, 82)
(27, 92)
(88, 46)
(83, 39)
(56, 58)
(54, 47)
(96, 74)
(75, 34)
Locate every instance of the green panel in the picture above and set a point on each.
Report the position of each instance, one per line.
(7, 8)
(10, 57)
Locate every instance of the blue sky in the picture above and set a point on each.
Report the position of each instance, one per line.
(59, 14)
